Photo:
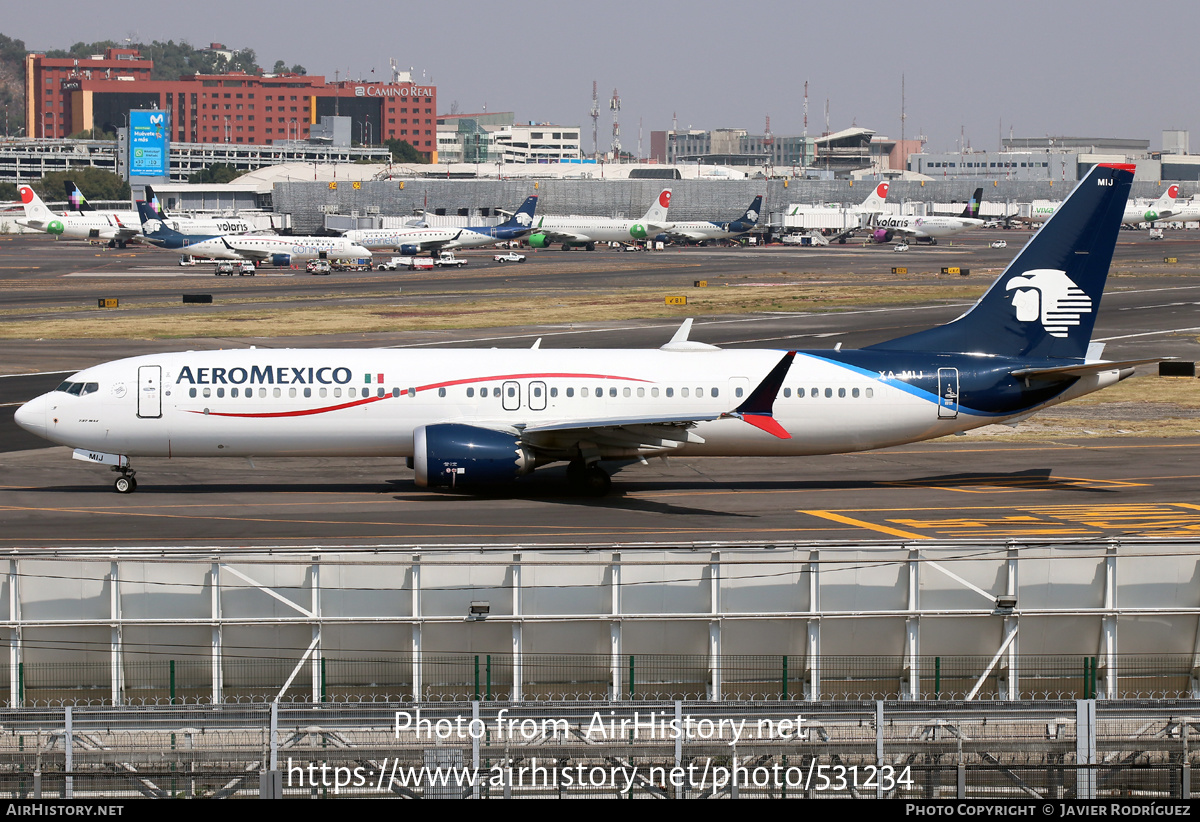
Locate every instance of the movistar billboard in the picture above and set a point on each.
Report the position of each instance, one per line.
(149, 144)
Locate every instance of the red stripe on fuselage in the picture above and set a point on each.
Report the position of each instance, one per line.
(310, 411)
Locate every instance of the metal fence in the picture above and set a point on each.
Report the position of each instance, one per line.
(457, 677)
(918, 750)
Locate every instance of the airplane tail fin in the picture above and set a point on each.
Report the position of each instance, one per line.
(523, 216)
(155, 205)
(1045, 302)
(877, 198)
(750, 218)
(153, 228)
(35, 210)
(75, 197)
(657, 215)
(972, 209)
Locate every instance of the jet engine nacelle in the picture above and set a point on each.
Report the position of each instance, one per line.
(882, 235)
(539, 241)
(282, 260)
(450, 454)
(410, 250)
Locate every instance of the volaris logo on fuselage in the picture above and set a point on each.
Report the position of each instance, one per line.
(1049, 296)
(637, 230)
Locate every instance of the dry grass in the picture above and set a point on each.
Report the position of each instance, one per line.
(472, 310)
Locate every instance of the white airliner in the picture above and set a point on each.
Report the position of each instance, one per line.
(465, 417)
(417, 240)
(846, 221)
(197, 225)
(258, 249)
(702, 231)
(1136, 212)
(117, 227)
(587, 231)
(928, 229)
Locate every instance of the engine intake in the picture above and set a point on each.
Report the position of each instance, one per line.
(539, 241)
(451, 454)
(410, 250)
(282, 260)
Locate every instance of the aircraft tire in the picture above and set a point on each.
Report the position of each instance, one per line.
(588, 480)
(125, 485)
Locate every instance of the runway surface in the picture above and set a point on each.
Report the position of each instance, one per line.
(1069, 485)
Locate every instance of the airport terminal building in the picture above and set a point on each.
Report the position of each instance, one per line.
(69, 95)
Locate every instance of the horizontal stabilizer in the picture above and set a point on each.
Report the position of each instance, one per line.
(1064, 372)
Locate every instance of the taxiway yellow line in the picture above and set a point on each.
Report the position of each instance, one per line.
(870, 526)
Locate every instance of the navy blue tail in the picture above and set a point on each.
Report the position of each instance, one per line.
(523, 216)
(750, 218)
(1045, 302)
(158, 232)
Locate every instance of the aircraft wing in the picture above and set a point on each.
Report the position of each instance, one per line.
(254, 255)
(654, 434)
(678, 234)
(563, 236)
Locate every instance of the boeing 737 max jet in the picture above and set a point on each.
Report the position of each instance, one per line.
(465, 417)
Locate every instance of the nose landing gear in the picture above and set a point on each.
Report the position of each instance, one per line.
(126, 483)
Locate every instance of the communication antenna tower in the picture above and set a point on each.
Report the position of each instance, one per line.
(615, 106)
(595, 120)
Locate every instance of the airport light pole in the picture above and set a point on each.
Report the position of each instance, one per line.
(227, 132)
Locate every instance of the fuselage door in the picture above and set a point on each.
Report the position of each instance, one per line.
(537, 396)
(149, 391)
(947, 393)
(511, 396)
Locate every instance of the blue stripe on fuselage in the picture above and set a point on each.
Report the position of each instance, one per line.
(986, 386)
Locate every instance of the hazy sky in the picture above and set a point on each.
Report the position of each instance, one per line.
(1096, 69)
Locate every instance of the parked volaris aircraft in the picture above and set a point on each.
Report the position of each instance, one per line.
(928, 229)
(275, 250)
(587, 231)
(87, 225)
(466, 416)
(700, 231)
(417, 240)
(197, 225)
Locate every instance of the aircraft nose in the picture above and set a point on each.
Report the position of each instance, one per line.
(32, 416)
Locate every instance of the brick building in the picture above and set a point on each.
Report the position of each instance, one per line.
(67, 95)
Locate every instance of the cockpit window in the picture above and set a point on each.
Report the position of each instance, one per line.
(79, 388)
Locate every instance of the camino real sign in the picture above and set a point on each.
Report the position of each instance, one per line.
(149, 144)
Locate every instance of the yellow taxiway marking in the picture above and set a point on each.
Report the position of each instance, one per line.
(868, 525)
(1163, 519)
(1010, 484)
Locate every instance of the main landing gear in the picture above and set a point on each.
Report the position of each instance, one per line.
(589, 480)
(126, 483)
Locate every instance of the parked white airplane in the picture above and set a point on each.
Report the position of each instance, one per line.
(491, 415)
(701, 231)
(1136, 213)
(587, 231)
(259, 249)
(117, 227)
(197, 225)
(417, 240)
(846, 221)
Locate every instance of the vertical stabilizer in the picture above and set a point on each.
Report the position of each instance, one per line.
(1045, 302)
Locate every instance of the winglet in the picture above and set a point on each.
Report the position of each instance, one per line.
(682, 333)
(758, 408)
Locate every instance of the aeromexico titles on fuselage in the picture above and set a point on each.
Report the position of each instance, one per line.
(265, 374)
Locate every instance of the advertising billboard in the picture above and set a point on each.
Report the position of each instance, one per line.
(149, 144)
